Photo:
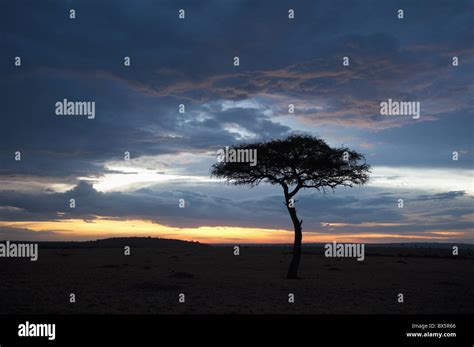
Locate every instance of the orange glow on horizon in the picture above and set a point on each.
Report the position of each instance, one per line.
(104, 228)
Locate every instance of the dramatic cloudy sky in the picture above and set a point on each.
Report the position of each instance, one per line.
(190, 62)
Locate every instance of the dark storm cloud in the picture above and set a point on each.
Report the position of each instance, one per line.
(190, 61)
(427, 144)
(62, 145)
(442, 196)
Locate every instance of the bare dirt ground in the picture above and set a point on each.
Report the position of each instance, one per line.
(215, 281)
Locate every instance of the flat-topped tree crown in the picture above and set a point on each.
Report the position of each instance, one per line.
(296, 162)
(300, 161)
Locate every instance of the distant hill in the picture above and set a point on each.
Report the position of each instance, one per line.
(120, 242)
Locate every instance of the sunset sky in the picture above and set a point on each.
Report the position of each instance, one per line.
(282, 61)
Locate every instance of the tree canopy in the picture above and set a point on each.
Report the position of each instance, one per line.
(299, 161)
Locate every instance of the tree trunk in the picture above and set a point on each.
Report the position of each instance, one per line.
(295, 261)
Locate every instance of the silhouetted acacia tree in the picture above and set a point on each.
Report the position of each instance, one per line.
(294, 163)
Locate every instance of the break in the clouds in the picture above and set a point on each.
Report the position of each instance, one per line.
(190, 62)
